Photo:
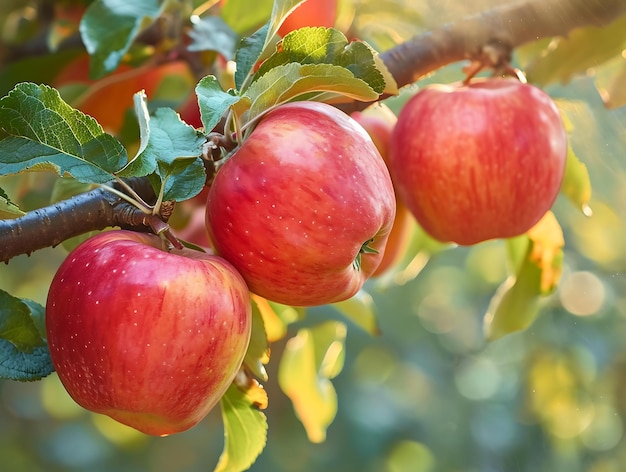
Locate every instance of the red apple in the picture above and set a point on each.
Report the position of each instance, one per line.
(304, 207)
(378, 120)
(478, 161)
(151, 338)
(310, 13)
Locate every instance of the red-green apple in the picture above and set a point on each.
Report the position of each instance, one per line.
(150, 337)
(378, 120)
(310, 13)
(303, 207)
(479, 161)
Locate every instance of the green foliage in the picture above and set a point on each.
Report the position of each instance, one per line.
(245, 429)
(45, 133)
(536, 261)
(109, 28)
(24, 353)
(213, 101)
(213, 34)
(327, 46)
(8, 209)
(576, 185)
(580, 50)
(170, 151)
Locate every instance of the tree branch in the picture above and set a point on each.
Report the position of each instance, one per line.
(511, 25)
(514, 24)
(90, 211)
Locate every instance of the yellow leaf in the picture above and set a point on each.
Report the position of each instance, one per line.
(311, 358)
(547, 250)
(275, 327)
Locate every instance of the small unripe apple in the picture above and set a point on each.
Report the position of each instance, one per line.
(150, 337)
(303, 207)
(378, 120)
(479, 161)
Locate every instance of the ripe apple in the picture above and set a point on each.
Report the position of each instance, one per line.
(310, 13)
(478, 161)
(378, 120)
(151, 338)
(304, 207)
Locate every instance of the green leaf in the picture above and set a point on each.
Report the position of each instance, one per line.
(258, 353)
(311, 358)
(318, 45)
(245, 431)
(24, 353)
(109, 27)
(213, 101)
(576, 184)
(242, 19)
(182, 179)
(213, 34)
(24, 366)
(248, 55)
(140, 105)
(515, 304)
(361, 310)
(173, 154)
(45, 133)
(8, 209)
(582, 49)
(296, 81)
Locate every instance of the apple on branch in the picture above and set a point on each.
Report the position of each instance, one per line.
(303, 208)
(150, 337)
(479, 161)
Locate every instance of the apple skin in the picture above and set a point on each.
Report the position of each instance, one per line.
(293, 206)
(479, 161)
(310, 13)
(150, 338)
(378, 120)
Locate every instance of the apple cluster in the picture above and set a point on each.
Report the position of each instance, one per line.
(302, 213)
(153, 336)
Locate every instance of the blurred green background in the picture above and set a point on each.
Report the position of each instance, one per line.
(429, 394)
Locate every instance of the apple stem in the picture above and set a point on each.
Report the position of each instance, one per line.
(495, 54)
(161, 228)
